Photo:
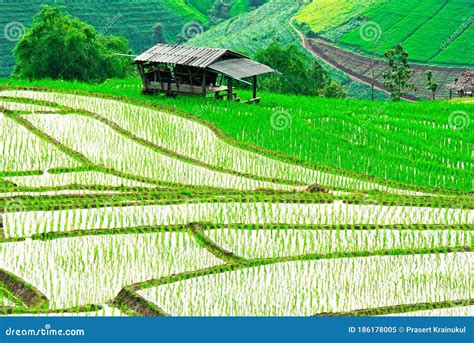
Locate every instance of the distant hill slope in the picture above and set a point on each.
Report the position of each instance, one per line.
(252, 31)
(133, 19)
(432, 31)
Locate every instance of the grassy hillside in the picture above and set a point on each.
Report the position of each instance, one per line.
(238, 6)
(418, 144)
(400, 21)
(322, 15)
(134, 20)
(250, 32)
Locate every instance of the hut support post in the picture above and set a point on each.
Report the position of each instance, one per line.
(161, 78)
(204, 82)
(141, 70)
(255, 87)
(230, 91)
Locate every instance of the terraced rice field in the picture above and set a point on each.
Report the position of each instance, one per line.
(112, 207)
(377, 26)
(371, 70)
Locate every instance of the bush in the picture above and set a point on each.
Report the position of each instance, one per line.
(60, 47)
(333, 90)
(297, 77)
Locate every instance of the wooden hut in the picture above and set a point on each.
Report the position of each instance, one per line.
(177, 69)
(464, 85)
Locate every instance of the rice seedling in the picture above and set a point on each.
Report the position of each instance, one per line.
(25, 107)
(91, 270)
(306, 288)
(60, 192)
(26, 224)
(111, 198)
(126, 156)
(278, 241)
(98, 179)
(183, 136)
(35, 153)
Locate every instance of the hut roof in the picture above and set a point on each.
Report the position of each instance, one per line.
(465, 81)
(185, 55)
(240, 68)
(223, 61)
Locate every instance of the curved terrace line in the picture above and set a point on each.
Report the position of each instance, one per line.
(23, 291)
(242, 145)
(25, 224)
(129, 297)
(381, 311)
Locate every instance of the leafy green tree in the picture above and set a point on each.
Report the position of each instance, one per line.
(60, 47)
(398, 77)
(219, 11)
(431, 85)
(297, 76)
(334, 90)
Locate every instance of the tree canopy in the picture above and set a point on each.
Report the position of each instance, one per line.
(58, 46)
(398, 76)
(297, 76)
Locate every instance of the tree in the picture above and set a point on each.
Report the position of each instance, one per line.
(333, 90)
(431, 85)
(397, 78)
(219, 11)
(60, 47)
(297, 75)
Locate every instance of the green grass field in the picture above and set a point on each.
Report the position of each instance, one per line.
(448, 24)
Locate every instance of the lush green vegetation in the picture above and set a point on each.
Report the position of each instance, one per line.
(133, 20)
(269, 24)
(296, 77)
(99, 173)
(85, 54)
(411, 22)
(411, 143)
(111, 204)
(323, 15)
